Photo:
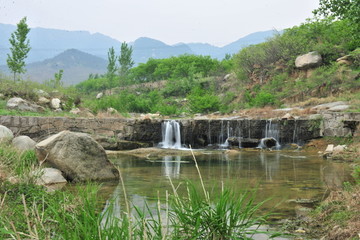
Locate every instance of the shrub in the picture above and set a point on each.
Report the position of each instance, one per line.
(201, 101)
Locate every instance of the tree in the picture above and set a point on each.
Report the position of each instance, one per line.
(125, 61)
(111, 67)
(57, 81)
(348, 10)
(20, 47)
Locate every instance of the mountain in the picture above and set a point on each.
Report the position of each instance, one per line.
(145, 48)
(251, 39)
(234, 47)
(77, 66)
(46, 43)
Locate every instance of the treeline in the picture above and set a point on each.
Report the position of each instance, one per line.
(174, 68)
(265, 74)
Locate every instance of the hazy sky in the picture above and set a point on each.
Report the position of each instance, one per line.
(217, 22)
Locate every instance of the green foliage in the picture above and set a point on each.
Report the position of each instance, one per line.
(151, 102)
(184, 66)
(56, 83)
(111, 67)
(20, 163)
(93, 85)
(202, 101)
(348, 10)
(262, 99)
(125, 62)
(356, 174)
(20, 47)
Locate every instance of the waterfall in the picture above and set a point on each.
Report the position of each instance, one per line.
(230, 132)
(294, 140)
(171, 135)
(271, 135)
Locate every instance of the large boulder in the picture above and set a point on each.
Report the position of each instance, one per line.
(20, 104)
(23, 143)
(55, 103)
(309, 60)
(77, 155)
(5, 133)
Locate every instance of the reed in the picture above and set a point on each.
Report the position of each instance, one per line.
(30, 212)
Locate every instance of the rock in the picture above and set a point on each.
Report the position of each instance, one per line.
(23, 105)
(2, 96)
(77, 155)
(111, 110)
(43, 101)
(55, 94)
(250, 142)
(327, 106)
(309, 60)
(49, 176)
(329, 148)
(75, 111)
(268, 142)
(55, 103)
(287, 116)
(99, 95)
(345, 60)
(41, 93)
(328, 151)
(5, 133)
(13, 180)
(339, 149)
(227, 77)
(339, 108)
(23, 143)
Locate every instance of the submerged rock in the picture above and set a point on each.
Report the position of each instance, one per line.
(77, 155)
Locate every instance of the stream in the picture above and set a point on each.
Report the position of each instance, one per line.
(288, 179)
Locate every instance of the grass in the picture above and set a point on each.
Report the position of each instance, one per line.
(28, 211)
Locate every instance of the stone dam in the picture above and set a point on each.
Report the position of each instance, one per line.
(195, 132)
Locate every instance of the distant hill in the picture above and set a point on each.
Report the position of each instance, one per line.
(145, 48)
(77, 66)
(47, 43)
(234, 47)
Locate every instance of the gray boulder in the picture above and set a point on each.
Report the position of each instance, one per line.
(23, 143)
(49, 176)
(77, 155)
(309, 60)
(55, 103)
(41, 93)
(5, 133)
(20, 104)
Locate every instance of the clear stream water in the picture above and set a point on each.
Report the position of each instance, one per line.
(283, 176)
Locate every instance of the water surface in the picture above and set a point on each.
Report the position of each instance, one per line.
(287, 178)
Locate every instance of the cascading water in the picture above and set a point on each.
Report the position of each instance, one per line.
(171, 135)
(229, 132)
(271, 135)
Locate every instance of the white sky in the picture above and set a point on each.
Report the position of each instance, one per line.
(217, 22)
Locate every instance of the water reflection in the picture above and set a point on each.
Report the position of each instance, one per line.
(171, 166)
(277, 175)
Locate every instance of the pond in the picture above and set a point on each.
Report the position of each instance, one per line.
(286, 178)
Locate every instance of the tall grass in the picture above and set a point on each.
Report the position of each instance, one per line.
(28, 211)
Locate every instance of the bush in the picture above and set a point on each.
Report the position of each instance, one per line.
(201, 101)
